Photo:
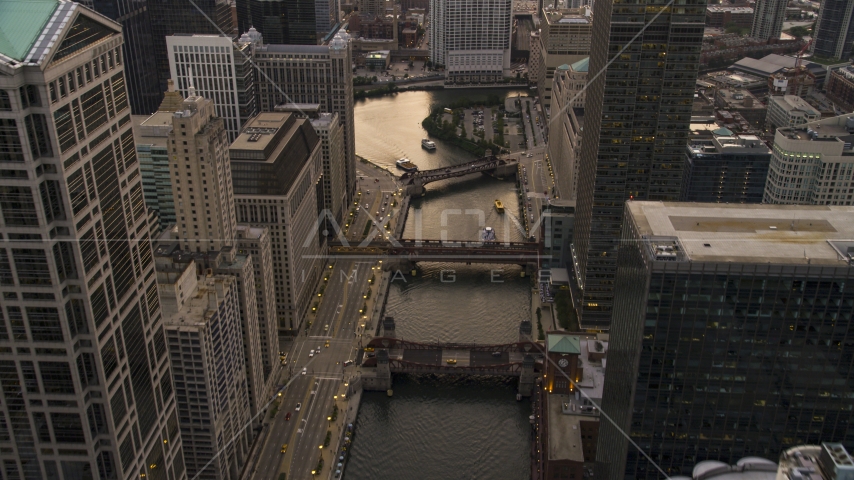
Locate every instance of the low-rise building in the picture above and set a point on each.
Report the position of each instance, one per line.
(725, 169)
(799, 82)
(813, 164)
(742, 101)
(790, 111)
(377, 60)
(720, 16)
(840, 88)
(567, 405)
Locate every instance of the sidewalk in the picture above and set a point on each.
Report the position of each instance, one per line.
(547, 312)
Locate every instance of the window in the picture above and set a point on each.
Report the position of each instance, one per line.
(67, 428)
(10, 142)
(31, 265)
(56, 378)
(5, 102)
(37, 133)
(44, 324)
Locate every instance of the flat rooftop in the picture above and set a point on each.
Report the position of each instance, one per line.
(565, 442)
(152, 129)
(260, 131)
(781, 234)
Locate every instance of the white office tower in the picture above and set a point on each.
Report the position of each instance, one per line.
(202, 320)
(471, 38)
(84, 371)
(219, 69)
(317, 74)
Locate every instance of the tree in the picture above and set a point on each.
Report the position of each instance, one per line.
(799, 32)
(733, 28)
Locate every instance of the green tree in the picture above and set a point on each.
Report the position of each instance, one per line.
(799, 32)
(733, 28)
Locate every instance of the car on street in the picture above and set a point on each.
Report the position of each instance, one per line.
(284, 447)
(310, 353)
(451, 361)
(318, 349)
(496, 354)
(326, 328)
(303, 370)
(288, 416)
(347, 363)
(299, 405)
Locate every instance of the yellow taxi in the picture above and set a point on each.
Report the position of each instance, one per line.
(451, 361)
(326, 345)
(284, 447)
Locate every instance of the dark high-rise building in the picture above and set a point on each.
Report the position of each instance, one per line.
(290, 22)
(144, 91)
(726, 169)
(834, 30)
(636, 128)
(731, 335)
(169, 17)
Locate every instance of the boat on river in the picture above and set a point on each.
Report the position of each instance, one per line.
(406, 165)
(487, 235)
(499, 207)
(428, 144)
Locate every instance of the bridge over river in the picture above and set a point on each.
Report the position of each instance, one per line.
(393, 355)
(451, 251)
(413, 182)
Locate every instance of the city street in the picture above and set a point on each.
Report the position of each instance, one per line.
(304, 433)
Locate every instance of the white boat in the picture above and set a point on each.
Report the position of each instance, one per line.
(487, 235)
(428, 144)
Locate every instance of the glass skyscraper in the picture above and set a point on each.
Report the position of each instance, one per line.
(731, 335)
(289, 22)
(637, 116)
(84, 372)
(144, 91)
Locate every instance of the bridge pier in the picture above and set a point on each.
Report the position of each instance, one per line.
(526, 378)
(526, 331)
(416, 190)
(388, 327)
(381, 378)
(402, 264)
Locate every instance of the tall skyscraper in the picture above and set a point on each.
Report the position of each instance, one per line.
(636, 124)
(289, 22)
(277, 166)
(834, 30)
(168, 17)
(731, 335)
(565, 39)
(144, 90)
(202, 320)
(312, 74)
(334, 198)
(768, 17)
(327, 14)
(220, 69)
(471, 38)
(206, 230)
(204, 211)
(84, 371)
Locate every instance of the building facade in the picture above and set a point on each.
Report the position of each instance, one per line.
(639, 127)
(277, 168)
(558, 226)
(813, 164)
(151, 136)
(291, 22)
(84, 372)
(564, 144)
(208, 17)
(313, 74)
(204, 211)
(334, 198)
(202, 322)
(220, 70)
(565, 36)
(840, 88)
(834, 30)
(790, 111)
(720, 309)
(726, 170)
(768, 19)
(719, 16)
(327, 14)
(144, 91)
(471, 39)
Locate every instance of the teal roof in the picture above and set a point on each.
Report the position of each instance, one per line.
(561, 343)
(21, 23)
(563, 67)
(722, 132)
(581, 65)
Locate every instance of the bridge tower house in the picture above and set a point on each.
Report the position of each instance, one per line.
(383, 370)
(526, 331)
(388, 327)
(526, 378)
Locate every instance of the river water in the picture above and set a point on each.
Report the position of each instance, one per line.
(439, 427)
